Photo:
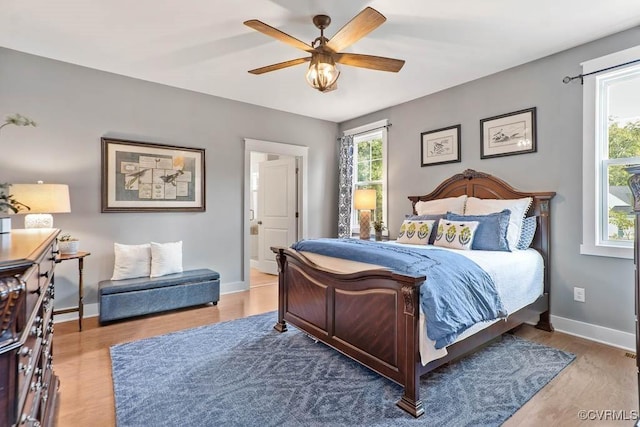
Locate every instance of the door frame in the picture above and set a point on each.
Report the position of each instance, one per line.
(298, 151)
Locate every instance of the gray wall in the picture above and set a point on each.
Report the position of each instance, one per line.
(75, 106)
(557, 166)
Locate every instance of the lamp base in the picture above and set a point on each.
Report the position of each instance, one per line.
(365, 224)
(38, 221)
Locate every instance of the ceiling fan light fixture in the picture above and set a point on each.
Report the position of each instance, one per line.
(322, 73)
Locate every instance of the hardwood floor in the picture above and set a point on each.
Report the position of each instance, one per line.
(258, 278)
(601, 377)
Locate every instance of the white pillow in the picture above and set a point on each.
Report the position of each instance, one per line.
(455, 234)
(518, 208)
(415, 232)
(442, 206)
(131, 261)
(166, 258)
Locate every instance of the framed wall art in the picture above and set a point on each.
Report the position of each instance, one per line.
(440, 146)
(148, 177)
(508, 134)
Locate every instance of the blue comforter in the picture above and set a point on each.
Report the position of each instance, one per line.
(457, 293)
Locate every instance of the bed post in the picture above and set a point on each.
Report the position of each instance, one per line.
(410, 400)
(281, 326)
(544, 322)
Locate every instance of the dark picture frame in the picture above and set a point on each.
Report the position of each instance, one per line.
(149, 177)
(440, 146)
(508, 134)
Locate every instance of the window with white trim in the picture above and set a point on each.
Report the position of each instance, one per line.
(611, 143)
(370, 172)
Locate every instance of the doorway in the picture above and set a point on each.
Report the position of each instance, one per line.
(273, 226)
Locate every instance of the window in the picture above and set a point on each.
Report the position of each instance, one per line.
(611, 143)
(370, 171)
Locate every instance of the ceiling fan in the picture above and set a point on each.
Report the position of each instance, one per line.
(323, 73)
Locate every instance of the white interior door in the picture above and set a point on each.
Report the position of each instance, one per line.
(277, 202)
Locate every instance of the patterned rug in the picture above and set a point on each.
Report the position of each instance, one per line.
(244, 373)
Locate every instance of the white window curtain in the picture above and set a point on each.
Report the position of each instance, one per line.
(345, 182)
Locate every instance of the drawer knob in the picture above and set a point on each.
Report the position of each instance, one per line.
(45, 274)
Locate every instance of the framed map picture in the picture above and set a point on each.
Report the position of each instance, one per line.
(440, 146)
(147, 177)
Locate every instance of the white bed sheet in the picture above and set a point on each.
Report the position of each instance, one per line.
(518, 275)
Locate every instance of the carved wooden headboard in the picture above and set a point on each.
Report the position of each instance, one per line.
(485, 186)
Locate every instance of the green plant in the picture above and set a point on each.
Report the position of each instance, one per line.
(8, 203)
(378, 225)
(18, 120)
(66, 238)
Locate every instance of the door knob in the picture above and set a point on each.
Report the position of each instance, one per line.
(259, 222)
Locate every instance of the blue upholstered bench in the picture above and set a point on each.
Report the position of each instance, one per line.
(120, 299)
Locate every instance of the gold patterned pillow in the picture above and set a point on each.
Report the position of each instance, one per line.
(455, 234)
(415, 232)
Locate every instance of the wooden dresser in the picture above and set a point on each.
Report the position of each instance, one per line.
(28, 385)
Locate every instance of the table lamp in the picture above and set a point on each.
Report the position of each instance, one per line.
(364, 200)
(43, 200)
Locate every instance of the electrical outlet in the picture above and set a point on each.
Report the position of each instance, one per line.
(578, 294)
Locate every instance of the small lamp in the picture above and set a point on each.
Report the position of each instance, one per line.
(364, 201)
(43, 200)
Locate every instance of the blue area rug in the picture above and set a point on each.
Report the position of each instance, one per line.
(244, 373)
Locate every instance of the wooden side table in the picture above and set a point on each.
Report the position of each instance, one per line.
(80, 256)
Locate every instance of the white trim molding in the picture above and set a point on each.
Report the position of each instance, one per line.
(601, 334)
(592, 243)
(299, 151)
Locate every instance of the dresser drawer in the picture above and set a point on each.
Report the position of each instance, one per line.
(46, 263)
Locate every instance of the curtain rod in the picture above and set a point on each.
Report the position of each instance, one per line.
(568, 79)
(368, 130)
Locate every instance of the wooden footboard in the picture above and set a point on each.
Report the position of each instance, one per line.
(371, 316)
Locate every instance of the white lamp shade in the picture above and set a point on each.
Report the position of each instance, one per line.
(364, 199)
(42, 198)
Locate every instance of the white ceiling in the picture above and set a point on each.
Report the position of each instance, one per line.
(202, 45)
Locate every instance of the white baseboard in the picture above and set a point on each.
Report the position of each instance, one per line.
(601, 334)
(92, 310)
(233, 287)
(253, 263)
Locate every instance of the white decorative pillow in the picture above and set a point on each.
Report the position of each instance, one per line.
(166, 258)
(415, 232)
(518, 208)
(442, 206)
(455, 234)
(131, 261)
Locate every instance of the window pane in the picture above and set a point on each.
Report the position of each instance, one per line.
(376, 170)
(376, 149)
(623, 113)
(364, 171)
(624, 138)
(620, 224)
(377, 215)
(364, 151)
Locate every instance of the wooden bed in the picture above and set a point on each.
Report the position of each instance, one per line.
(373, 316)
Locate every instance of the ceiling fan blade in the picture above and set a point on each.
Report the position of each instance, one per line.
(277, 34)
(369, 61)
(361, 25)
(280, 65)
